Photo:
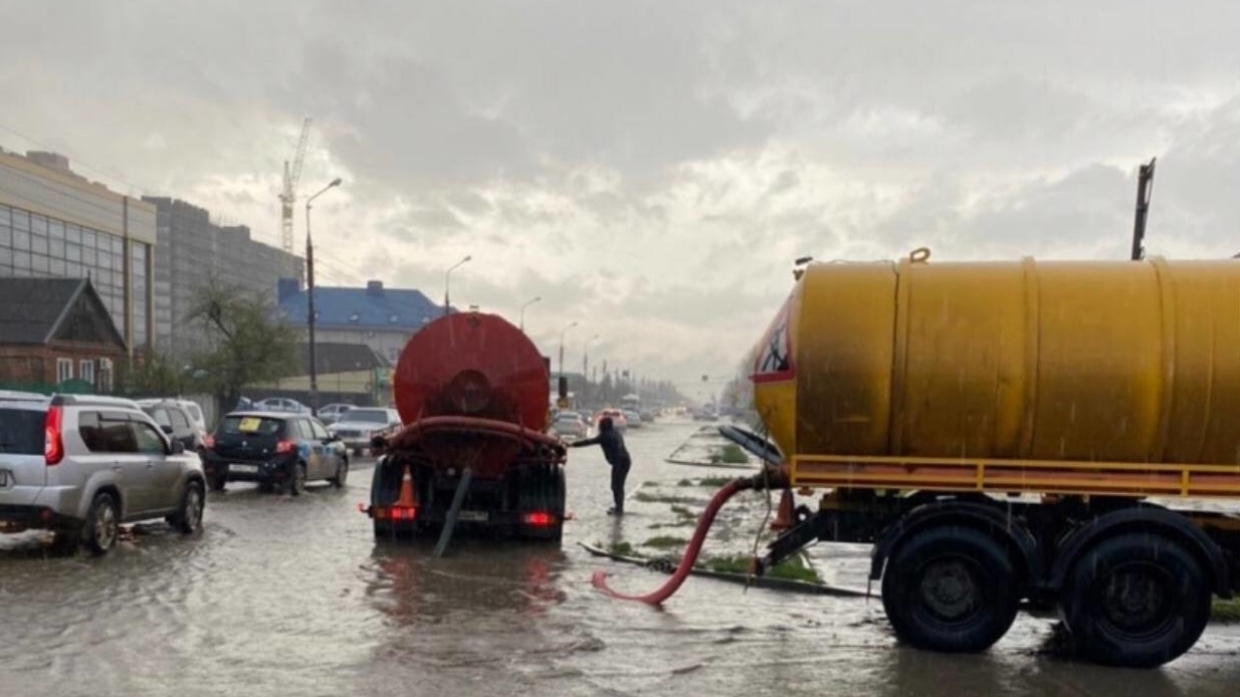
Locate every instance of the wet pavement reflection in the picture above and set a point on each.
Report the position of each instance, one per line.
(288, 597)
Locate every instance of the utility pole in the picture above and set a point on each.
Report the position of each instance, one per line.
(310, 318)
(562, 333)
(1145, 191)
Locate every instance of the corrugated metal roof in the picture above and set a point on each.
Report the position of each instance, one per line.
(336, 357)
(363, 308)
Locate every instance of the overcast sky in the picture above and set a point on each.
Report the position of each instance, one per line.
(651, 169)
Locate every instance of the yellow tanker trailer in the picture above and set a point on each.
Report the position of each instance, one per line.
(996, 431)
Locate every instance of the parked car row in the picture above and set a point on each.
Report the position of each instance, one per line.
(81, 465)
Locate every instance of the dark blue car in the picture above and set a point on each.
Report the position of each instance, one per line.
(276, 450)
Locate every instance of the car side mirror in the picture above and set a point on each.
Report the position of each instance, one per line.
(166, 429)
(177, 447)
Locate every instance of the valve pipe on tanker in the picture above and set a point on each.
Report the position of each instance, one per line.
(657, 597)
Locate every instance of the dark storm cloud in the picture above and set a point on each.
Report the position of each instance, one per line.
(655, 164)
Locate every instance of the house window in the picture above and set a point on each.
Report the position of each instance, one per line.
(86, 371)
(105, 375)
(64, 369)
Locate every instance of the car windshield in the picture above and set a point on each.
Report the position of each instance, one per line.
(250, 426)
(368, 415)
(21, 431)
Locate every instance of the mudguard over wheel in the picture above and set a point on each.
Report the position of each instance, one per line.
(951, 589)
(542, 489)
(102, 527)
(1137, 600)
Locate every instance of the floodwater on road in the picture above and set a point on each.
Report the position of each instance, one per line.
(290, 597)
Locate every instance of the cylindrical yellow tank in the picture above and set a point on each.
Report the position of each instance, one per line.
(1084, 361)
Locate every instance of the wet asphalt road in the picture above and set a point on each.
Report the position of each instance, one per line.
(294, 597)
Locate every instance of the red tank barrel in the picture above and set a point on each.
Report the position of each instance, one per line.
(478, 369)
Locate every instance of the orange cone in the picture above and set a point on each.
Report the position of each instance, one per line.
(784, 517)
(406, 499)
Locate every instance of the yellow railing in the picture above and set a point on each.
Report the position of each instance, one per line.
(1018, 476)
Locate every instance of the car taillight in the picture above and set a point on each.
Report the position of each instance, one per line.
(53, 443)
(285, 447)
(208, 442)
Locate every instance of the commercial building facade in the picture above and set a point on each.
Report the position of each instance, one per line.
(194, 252)
(57, 224)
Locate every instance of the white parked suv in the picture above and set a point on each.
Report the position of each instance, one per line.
(358, 425)
(80, 465)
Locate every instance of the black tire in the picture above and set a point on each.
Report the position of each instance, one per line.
(342, 474)
(217, 483)
(102, 527)
(951, 589)
(383, 530)
(188, 518)
(1137, 600)
(296, 485)
(266, 488)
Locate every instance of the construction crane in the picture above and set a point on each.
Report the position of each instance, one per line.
(289, 195)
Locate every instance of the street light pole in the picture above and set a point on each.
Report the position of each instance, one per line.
(585, 366)
(447, 277)
(562, 333)
(527, 304)
(310, 318)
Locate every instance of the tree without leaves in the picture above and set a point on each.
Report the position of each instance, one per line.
(249, 344)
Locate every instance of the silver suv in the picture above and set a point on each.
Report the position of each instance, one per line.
(81, 465)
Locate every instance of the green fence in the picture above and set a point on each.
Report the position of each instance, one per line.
(66, 387)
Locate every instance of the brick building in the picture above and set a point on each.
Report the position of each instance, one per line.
(54, 331)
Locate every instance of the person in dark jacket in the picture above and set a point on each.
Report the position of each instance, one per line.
(617, 456)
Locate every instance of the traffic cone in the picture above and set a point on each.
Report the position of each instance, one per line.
(785, 518)
(406, 499)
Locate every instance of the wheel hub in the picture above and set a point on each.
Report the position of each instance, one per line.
(949, 590)
(1136, 599)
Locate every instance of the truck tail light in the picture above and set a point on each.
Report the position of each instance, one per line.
(285, 447)
(539, 519)
(53, 440)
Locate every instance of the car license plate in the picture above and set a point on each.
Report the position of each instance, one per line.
(248, 469)
(473, 516)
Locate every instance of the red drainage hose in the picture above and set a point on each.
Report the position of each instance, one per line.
(691, 553)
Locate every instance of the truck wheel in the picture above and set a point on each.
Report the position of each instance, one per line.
(188, 518)
(102, 525)
(950, 589)
(1136, 600)
(383, 529)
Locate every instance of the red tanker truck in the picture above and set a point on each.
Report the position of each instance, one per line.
(472, 392)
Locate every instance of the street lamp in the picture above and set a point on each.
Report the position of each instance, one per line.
(527, 304)
(314, 369)
(585, 366)
(448, 277)
(562, 333)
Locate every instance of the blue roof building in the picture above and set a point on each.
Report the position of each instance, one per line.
(378, 317)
